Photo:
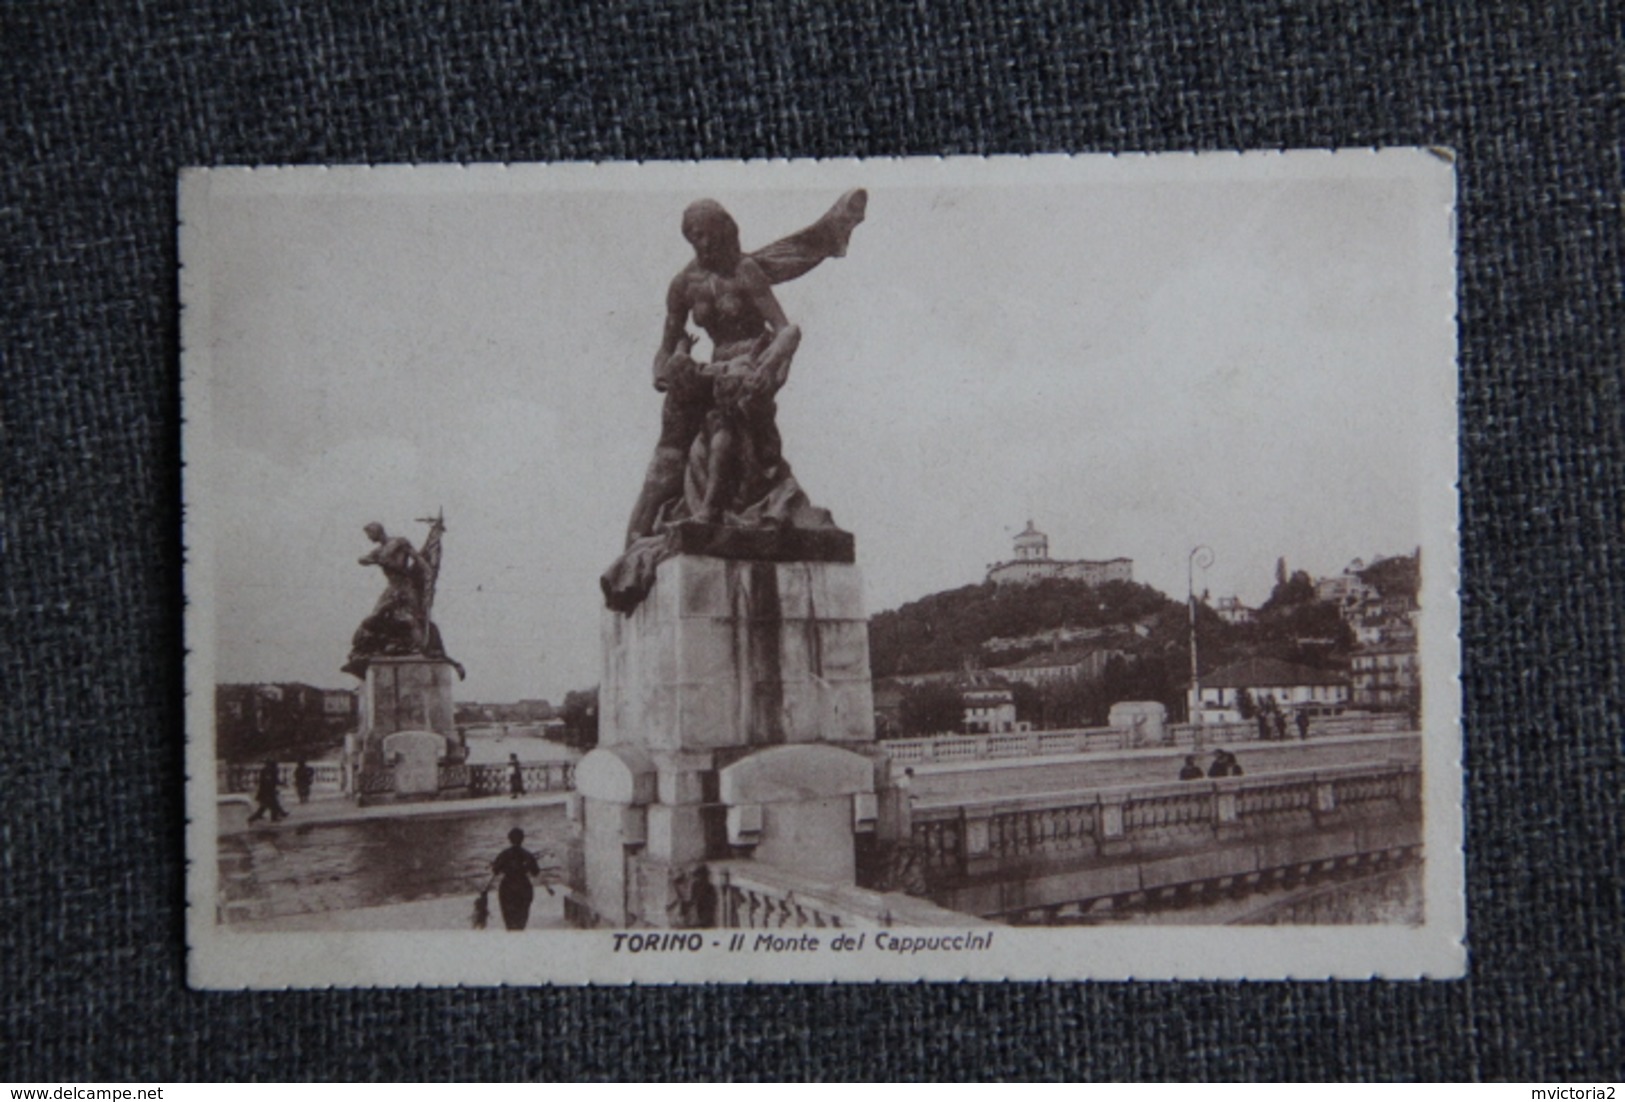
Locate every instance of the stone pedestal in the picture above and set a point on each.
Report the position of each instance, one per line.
(735, 718)
(728, 654)
(407, 711)
(413, 758)
(407, 694)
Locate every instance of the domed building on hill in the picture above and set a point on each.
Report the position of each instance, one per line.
(1031, 563)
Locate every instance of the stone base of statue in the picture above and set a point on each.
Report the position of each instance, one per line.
(408, 746)
(730, 653)
(736, 718)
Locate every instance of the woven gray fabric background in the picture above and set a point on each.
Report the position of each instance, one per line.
(102, 104)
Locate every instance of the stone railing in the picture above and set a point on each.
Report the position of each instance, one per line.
(1032, 744)
(491, 779)
(753, 896)
(245, 777)
(1019, 744)
(985, 836)
(1218, 734)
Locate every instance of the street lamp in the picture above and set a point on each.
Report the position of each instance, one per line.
(1201, 556)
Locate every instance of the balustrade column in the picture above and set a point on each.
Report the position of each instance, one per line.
(1325, 796)
(1111, 820)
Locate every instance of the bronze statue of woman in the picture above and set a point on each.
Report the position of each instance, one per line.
(719, 458)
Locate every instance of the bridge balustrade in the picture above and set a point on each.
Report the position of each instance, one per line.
(1216, 734)
(1012, 744)
(1167, 810)
(1026, 744)
(1350, 791)
(492, 778)
(754, 896)
(1053, 830)
(983, 837)
(1210, 734)
(245, 777)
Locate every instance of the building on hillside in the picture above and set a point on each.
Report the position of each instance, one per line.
(1047, 667)
(1232, 611)
(988, 702)
(1346, 590)
(1031, 563)
(1386, 676)
(988, 710)
(1264, 679)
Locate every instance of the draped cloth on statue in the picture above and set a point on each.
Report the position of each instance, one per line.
(734, 399)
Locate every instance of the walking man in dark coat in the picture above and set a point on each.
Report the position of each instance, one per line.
(265, 794)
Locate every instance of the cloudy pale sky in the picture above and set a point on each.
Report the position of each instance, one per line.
(1141, 354)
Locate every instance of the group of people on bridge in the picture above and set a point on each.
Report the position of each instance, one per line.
(1224, 765)
(1272, 721)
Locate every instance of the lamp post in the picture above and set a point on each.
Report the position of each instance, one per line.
(1201, 555)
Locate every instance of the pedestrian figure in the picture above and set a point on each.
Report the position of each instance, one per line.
(1280, 726)
(1303, 726)
(1191, 771)
(693, 901)
(516, 778)
(1224, 765)
(265, 794)
(514, 866)
(1263, 726)
(303, 775)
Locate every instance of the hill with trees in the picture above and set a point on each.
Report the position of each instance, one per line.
(950, 631)
(943, 630)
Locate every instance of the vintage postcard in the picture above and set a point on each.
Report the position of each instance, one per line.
(981, 568)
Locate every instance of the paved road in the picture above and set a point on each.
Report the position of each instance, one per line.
(957, 782)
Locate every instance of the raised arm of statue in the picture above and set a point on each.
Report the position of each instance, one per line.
(674, 337)
(801, 252)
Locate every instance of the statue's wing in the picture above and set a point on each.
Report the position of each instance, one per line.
(804, 250)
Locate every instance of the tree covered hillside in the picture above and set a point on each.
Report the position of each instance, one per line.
(941, 631)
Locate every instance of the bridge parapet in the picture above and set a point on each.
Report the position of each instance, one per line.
(1086, 740)
(244, 777)
(1219, 734)
(1004, 836)
(1018, 744)
(755, 896)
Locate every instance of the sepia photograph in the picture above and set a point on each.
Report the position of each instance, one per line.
(998, 568)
